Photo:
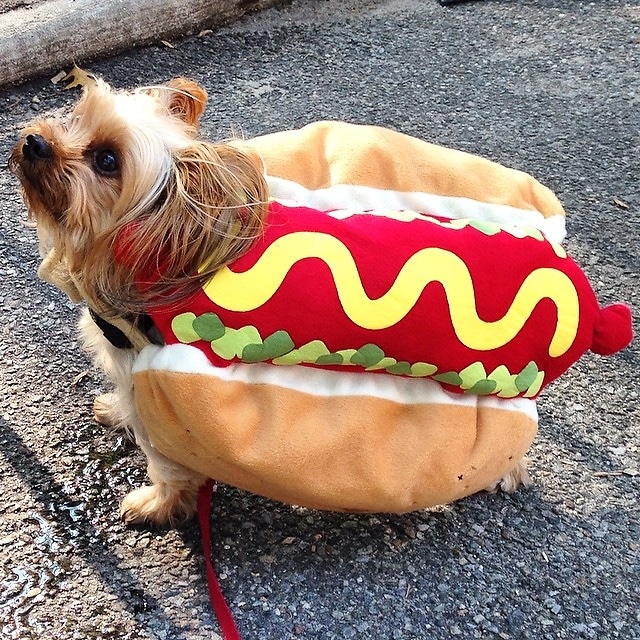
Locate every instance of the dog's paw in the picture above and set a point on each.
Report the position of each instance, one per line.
(159, 505)
(510, 482)
(106, 411)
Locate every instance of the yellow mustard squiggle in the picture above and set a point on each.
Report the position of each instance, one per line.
(241, 292)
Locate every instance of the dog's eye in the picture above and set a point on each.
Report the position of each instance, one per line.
(106, 161)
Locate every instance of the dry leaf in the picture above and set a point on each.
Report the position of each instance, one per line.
(78, 77)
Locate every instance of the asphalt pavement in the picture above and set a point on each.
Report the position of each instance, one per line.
(546, 86)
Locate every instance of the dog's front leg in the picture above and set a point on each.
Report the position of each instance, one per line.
(171, 498)
(174, 493)
(109, 409)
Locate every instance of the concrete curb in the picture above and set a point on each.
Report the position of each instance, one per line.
(52, 34)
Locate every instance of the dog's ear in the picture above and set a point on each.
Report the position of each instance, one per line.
(184, 99)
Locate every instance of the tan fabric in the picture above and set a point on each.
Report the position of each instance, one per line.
(346, 454)
(323, 154)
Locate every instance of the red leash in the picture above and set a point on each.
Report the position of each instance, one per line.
(219, 604)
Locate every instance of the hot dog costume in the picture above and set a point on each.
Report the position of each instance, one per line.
(361, 356)
(400, 293)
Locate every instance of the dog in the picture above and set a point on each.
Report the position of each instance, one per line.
(117, 159)
(143, 214)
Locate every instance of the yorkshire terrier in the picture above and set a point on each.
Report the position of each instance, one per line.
(129, 165)
(132, 161)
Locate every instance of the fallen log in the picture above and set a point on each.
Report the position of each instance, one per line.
(50, 35)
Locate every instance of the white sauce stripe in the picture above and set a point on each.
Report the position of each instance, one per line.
(344, 196)
(182, 358)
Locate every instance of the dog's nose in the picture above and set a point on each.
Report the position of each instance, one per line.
(36, 148)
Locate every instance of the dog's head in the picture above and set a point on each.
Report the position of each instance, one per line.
(123, 190)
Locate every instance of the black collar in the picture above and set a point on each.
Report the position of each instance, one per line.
(117, 337)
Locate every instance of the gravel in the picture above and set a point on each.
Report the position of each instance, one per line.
(547, 86)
